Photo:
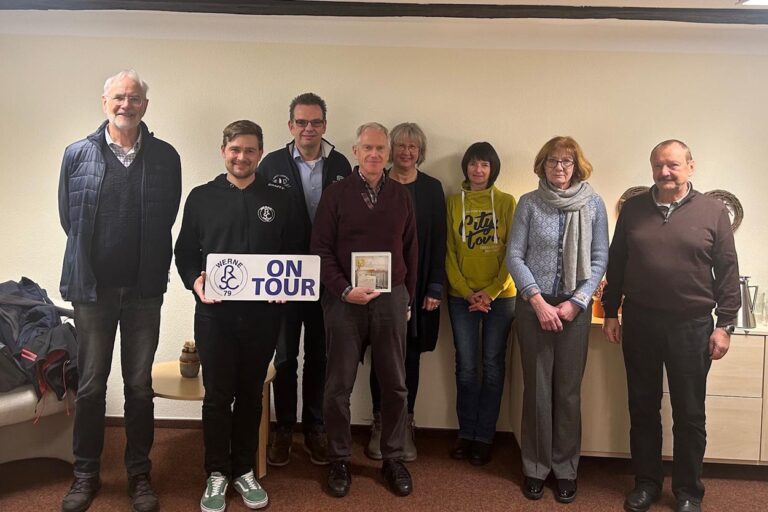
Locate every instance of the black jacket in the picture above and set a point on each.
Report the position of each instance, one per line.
(221, 218)
(82, 173)
(429, 203)
(280, 168)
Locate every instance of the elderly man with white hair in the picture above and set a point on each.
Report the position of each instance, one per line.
(366, 212)
(119, 192)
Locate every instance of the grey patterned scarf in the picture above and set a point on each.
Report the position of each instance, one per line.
(577, 236)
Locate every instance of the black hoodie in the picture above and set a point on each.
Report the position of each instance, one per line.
(221, 218)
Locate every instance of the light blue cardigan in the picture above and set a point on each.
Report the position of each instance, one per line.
(534, 249)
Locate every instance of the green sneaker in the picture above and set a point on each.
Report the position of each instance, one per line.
(248, 487)
(215, 497)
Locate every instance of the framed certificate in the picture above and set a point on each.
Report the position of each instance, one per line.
(372, 270)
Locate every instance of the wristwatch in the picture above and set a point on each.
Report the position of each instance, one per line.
(729, 328)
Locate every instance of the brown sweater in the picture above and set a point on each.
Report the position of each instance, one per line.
(344, 224)
(669, 265)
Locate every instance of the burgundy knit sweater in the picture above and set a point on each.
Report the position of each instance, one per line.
(345, 224)
(682, 267)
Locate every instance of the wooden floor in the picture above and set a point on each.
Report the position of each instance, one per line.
(440, 484)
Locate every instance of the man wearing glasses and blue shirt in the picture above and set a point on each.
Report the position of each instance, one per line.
(305, 167)
(119, 193)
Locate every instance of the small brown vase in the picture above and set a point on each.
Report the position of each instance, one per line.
(189, 362)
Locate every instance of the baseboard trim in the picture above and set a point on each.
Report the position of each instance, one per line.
(183, 423)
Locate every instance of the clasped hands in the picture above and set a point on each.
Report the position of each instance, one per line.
(550, 317)
(479, 301)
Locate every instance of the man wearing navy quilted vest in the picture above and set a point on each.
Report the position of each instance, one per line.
(119, 192)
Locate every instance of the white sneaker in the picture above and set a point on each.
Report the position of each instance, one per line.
(253, 495)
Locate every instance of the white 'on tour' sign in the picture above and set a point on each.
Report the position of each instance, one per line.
(263, 277)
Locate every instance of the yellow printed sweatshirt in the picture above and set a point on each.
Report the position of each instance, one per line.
(478, 225)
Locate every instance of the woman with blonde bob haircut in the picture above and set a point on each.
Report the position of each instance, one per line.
(557, 254)
(409, 148)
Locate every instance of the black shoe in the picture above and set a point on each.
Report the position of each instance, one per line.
(641, 499)
(279, 452)
(143, 498)
(461, 449)
(566, 490)
(316, 443)
(339, 478)
(533, 488)
(688, 505)
(398, 477)
(480, 453)
(81, 494)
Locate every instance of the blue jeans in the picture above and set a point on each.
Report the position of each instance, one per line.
(478, 397)
(96, 323)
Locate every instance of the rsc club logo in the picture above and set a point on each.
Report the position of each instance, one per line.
(229, 276)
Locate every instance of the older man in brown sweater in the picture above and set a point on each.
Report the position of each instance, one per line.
(673, 259)
(366, 212)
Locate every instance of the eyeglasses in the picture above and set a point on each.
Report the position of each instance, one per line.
(316, 123)
(552, 163)
(412, 148)
(136, 101)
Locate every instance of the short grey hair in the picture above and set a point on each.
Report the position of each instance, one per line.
(410, 131)
(373, 125)
(126, 73)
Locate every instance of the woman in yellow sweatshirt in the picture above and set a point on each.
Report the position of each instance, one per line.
(481, 298)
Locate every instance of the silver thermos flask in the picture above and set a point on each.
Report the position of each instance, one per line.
(746, 317)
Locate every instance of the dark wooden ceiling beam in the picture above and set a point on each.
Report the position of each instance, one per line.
(380, 9)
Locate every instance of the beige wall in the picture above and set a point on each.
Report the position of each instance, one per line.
(615, 100)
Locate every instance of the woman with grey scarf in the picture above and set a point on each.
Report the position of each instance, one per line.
(557, 253)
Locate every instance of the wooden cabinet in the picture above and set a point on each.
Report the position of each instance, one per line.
(737, 402)
(740, 372)
(764, 436)
(733, 428)
(605, 417)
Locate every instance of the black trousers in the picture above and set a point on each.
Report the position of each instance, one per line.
(236, 341)
(412, 360)
(652, 341)
(285, 386)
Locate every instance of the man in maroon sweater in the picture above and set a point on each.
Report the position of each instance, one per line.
(366, 212)
(673, 259)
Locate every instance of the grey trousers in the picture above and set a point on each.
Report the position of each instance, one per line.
(553, 366)
(349, 328)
